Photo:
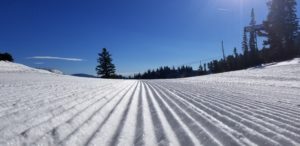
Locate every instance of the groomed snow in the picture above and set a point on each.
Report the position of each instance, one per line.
(250, 107)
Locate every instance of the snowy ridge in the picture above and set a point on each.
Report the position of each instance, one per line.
(9, 67)
(249, 107)
(290, 62)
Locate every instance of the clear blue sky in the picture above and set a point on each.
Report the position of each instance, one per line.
(140, 34)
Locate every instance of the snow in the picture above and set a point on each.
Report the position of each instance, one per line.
(290, 62)
(9, 67)
(258, 106)
(56, 71)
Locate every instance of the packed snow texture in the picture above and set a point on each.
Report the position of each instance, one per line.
(258, 106)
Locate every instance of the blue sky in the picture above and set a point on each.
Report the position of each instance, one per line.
(140, 34)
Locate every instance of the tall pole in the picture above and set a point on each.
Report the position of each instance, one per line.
(223, 51)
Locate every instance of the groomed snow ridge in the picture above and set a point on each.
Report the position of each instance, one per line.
(254, 107)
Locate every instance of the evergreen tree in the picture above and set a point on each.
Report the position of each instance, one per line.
(236, 59)
(201, 69)
(235, 53)
(292, 29)
(205, 68)
(281, 27)
(231, 63)
(105, 69)
(6, 57)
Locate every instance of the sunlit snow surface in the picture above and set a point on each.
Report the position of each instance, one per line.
(258, 106)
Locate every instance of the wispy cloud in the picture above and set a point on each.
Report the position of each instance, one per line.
(223, 10)
(39, 63)
(55, 58)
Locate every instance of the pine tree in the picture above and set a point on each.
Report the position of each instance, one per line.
(236, 59)
(201, 69)
(292, 29)
(235, 53)
(6, 57)
(205, 68)
(105, 69)
(282, 27)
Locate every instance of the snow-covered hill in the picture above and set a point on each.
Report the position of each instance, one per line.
(10, 67)
(258, 106)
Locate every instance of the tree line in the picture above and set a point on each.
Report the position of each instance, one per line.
(167, 73)
(281, 29)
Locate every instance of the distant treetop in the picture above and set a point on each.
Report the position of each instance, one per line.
(6, 57)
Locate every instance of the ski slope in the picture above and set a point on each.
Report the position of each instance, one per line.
(258, 106)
